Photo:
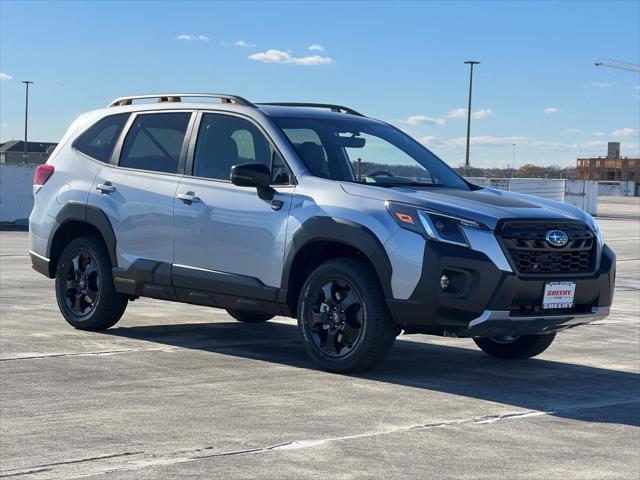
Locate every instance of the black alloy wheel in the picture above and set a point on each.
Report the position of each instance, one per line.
(81, 283)
(336, 319)
(85, 290)
(343, 316)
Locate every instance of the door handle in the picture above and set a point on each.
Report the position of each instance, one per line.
(105, 188)
(276, 205)
(188, 198)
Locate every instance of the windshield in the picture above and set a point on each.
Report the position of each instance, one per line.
(364, 151)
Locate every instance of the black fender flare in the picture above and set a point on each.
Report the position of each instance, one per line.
(81, 212)
(341, 231)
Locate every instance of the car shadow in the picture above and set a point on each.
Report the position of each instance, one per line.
(579, 392)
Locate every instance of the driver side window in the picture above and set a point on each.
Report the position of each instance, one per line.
(226, 140)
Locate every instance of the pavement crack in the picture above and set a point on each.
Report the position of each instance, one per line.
(156, 460)
(47, 466)
(24, 472)
(82, 354)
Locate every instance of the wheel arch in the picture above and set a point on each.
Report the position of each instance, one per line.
(323, 238)
(77, 219)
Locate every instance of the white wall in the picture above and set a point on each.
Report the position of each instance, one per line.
(552, 189)
(617, 189)
(16, 192)
(583, 194)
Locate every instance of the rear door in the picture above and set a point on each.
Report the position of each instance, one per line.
(230, 230)
(137, 190)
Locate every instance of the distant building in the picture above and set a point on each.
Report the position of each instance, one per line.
(37, 152)
(613, 167)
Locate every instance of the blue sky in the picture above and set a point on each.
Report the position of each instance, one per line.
(401, 62)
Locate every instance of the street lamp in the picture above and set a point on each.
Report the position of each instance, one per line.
(513, 163)
(471, 63)
(26, 116)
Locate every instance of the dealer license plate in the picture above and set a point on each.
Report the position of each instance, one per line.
(558, 294)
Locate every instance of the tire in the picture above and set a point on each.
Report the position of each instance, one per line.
(249, 317)
(84, 286)
(525, 346)
(343, 316)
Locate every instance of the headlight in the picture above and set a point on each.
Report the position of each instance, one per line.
(596, 230)
(434, 225)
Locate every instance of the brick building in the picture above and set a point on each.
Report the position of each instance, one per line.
(613, 167)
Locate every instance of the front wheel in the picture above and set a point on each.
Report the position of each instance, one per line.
(85, 292)
(343, 316)
(525, 346)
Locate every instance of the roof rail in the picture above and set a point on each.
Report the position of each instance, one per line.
(333, 108)
(177, 97)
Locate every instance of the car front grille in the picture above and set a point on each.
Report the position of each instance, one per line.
(532, 255)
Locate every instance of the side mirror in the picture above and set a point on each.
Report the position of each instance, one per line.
(251, 175)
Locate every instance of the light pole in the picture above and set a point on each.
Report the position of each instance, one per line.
(513, 163)
(26, 116)
(471, 63)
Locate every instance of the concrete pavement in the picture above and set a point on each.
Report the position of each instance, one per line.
(178, 391)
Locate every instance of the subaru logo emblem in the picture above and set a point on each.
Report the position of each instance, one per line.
(556, 238)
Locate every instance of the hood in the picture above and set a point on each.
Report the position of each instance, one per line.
(485, 205)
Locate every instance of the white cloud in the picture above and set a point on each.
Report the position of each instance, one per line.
(316, 48)
(550, 110)
(598, 133)
(625, 132)
(478, 115)
(188, 37)
(601, 85)
(242, 43)
(489, 140)
(278, 56)
(482, 114)
(424, 120)
(574, 130)
(3, 125)
(5, 76)
(591, 147)
(457, 113)
(430, 140)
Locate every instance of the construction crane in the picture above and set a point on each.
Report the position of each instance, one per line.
(611, 63)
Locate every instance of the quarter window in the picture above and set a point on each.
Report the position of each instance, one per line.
(154, 142)
(99, 140)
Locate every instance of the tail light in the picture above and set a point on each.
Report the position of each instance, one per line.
(42, 175)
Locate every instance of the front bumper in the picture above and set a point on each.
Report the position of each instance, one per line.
(500, 323)
(486, 301)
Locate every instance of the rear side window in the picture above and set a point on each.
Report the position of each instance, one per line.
(99, 140)
(154, 142)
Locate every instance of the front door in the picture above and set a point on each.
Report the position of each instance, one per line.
(224, 229)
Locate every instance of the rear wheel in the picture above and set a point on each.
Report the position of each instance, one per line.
(343, 316)
(84, 286)
(249, 317)
(525, 346)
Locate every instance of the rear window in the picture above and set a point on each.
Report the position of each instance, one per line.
(99, 140)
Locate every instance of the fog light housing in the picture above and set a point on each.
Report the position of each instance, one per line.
(444, 282)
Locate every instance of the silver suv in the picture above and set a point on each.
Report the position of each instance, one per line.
(312, 211)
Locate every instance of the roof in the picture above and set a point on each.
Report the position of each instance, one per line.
(32, 147)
